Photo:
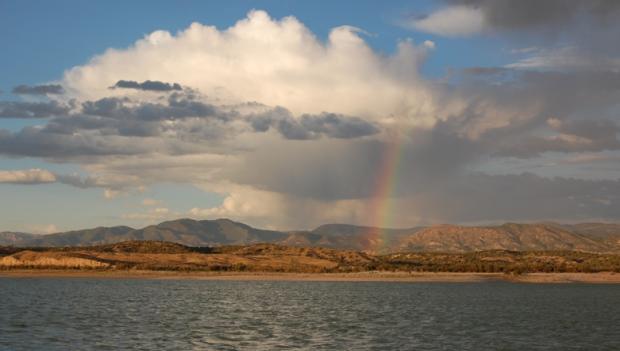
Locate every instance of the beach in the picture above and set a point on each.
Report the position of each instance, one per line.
(373, 276)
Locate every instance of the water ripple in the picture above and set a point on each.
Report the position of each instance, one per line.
(100, 314)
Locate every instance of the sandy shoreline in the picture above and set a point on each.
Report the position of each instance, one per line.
(605, 277)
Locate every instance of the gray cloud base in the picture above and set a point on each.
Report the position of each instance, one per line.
(106, 126)
(525, 14)
(308, 126)
(20, 109)
(48, 89)
(148, 85)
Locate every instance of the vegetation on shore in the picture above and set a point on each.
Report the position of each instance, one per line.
(500, 261)
(164, 256)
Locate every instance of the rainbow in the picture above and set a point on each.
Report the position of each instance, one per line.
(380, 208)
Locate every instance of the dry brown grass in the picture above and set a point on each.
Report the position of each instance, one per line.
(161, 256)
(26, 259)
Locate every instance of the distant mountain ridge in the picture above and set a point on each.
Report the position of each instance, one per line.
(15, 238)
(589, 237)
(509, 236)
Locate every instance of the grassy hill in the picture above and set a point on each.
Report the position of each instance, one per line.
(158, 255)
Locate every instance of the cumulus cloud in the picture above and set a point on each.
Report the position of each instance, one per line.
(147, 85)
(47, 89)
(273, 62)
(30, 176)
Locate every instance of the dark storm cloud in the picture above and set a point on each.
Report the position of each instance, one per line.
(592, 130)
(102, 126)
(122, 116)
(37, 142)
(175, 125)
(535, 146)
(483, 71)
(174, 108)
(548, 34)
(108, 128)
(580, 95)
(575, 136)
(48, 89)
(525, 14)
(308, 127)
(517, 198)
(350, 169)
(20, 109)
(337, 126)
(566, 88)
(148, 85)
(433, 178)
(508, 111)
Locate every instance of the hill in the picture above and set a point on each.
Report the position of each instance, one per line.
(15, 239)
(157, 255)
(587, 237)
(183, 231)
(509, 236)
(346, 237)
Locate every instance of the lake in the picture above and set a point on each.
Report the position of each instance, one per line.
(141, 314)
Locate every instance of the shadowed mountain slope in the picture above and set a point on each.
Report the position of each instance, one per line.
(15, 239)
(589, 237)
(183, 231)
(509, 236)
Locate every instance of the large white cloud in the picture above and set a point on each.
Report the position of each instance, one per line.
(277, 63)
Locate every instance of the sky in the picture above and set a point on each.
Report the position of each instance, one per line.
(289, 115)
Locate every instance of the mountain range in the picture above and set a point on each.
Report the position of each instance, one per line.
(589, 237)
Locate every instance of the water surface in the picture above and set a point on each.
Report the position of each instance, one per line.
(112, 314)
